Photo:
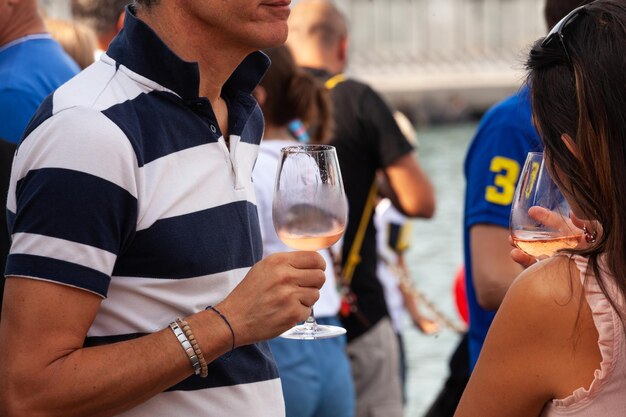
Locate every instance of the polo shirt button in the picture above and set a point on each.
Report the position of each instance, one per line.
(213, 129)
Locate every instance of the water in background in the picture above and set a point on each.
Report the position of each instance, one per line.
(435, 254)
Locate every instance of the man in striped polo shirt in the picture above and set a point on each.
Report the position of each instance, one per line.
(131, 205)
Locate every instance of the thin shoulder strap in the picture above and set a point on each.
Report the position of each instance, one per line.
(334, 80)
(354, 257)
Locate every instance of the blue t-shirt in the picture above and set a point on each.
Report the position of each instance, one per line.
(493, 164)
(30, 68)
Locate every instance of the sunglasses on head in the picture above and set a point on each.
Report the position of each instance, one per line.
(556, 34)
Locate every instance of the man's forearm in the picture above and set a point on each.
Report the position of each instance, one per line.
(105, 380)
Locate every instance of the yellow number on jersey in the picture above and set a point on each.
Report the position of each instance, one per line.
(507, 171)
(533, 177)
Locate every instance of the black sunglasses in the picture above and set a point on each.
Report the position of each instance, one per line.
(557, 31)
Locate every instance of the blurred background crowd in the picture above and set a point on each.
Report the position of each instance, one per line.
(443, 63)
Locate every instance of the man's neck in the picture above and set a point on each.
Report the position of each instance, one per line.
(318, 58)
(333, 67)
(217, 58)
(23, 24)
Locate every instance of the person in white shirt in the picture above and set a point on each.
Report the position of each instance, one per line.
(315, 375)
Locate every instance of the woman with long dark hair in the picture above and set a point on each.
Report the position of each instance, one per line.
(557, 346)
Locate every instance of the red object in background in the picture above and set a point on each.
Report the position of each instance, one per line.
(459, 294)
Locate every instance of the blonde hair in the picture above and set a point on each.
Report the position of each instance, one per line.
(77, 39)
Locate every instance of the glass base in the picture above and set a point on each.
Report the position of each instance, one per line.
(317, 331)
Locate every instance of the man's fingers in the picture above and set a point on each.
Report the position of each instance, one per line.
(310, 278)
(305, 260)
(308, 297)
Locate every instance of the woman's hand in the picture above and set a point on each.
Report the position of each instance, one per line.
(521, 257)
(567, 226)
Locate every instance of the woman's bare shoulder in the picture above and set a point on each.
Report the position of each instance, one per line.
(527, 356)
(540, 307)
(546, 306)
(552, 284)
(542, 311)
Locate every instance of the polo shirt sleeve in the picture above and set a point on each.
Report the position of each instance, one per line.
(381, 129)
(493, 165)
(72, 203)
(16, 109)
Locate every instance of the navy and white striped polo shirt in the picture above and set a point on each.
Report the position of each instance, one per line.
(124, 186)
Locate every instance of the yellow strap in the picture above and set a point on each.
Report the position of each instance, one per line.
(353, 256)
(404, 237)
(333, 81)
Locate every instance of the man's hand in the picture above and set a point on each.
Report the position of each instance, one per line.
(277, 293)
(426, 325)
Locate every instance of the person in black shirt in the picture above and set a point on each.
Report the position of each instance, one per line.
(368, 140)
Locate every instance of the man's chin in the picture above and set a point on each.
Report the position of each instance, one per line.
(273, 39)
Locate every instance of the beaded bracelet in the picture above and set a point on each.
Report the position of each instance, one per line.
(204, 369)
(186, 344)
(229, 327)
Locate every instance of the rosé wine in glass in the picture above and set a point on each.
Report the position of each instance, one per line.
(309, 211)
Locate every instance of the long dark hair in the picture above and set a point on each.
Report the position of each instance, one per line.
(584, 96)
(554, 10)
(293, 93)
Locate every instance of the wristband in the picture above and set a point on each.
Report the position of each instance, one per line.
(229, 327)
(204, 369)
(186, 345)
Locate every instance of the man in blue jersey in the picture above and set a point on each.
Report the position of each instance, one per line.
(32, 65)
(492, 166)
(134, 280)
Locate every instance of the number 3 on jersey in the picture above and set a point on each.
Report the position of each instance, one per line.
(507, 171)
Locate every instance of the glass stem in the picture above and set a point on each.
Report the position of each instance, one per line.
(310, 324)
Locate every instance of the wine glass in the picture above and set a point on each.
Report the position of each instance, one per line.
(540, 215)
(309, 211)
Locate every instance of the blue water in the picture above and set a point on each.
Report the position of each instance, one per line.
(434, 257)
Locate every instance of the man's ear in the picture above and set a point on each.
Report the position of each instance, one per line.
(120, 21)
(260, 94)
(571, 146)
(342, 51)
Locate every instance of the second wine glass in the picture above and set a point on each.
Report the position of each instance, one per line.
(540, 215)
(309, 211)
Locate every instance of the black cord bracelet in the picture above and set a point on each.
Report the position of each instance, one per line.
(232, 332)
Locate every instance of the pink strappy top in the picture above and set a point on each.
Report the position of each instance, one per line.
(606, 397)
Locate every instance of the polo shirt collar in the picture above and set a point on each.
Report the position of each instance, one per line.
(139, 48)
